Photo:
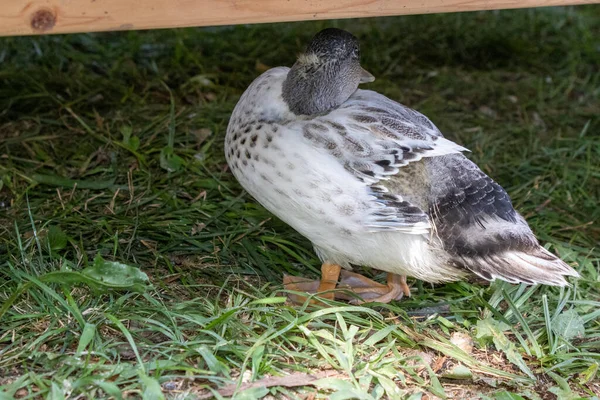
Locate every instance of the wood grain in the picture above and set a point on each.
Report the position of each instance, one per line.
(19, 17)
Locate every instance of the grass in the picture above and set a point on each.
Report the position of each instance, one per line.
(111, 158)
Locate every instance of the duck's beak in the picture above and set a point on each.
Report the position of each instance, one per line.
(366, 76)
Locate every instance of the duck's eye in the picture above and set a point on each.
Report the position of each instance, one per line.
(355, 52)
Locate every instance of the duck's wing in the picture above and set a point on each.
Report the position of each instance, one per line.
(481, 231)
(373, 137)
(379, 136)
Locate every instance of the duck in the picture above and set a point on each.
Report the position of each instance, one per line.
(373, 183)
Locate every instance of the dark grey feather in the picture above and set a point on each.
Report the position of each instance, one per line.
(480, 229)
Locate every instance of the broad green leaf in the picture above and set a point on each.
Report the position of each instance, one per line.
(268, 300)
(115, 275)
(89, 330)
(169, 160)
(378, 392)
(221, 319)
(379, 335)
(563, 390)
(563, 394)
(257, 356)
(5, 396)
(213, 364)
(101, 277)
(458, 372)
(56, 393)
(126, 132)
(72, 278)
(131, 142)
(491, 328)
(110, 388)
(444, 322)
(391, 389)
(57, 239)
(486, 327)
(134, 143)
(334, 384)
(568, 325)
(152, 390)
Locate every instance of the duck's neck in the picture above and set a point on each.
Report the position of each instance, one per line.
(311, 91)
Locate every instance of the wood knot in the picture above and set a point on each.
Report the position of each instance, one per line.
(43, 20)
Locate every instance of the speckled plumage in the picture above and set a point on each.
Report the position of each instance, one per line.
(372, 182)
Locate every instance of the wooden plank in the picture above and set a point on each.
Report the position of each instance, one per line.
(21, 17)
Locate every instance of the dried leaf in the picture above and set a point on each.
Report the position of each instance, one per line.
(463, 341)
(292, 380)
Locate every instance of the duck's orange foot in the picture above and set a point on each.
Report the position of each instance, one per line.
(367, 290)
(330, 274)
(370, 291)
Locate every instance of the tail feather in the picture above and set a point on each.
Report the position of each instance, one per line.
(516, 266)
(480, 230)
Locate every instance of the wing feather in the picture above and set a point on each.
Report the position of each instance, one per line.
(373, 137)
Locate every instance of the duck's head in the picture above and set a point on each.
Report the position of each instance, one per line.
(326, 74)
